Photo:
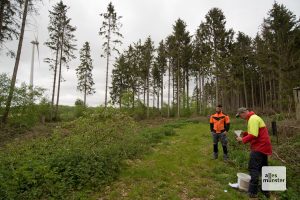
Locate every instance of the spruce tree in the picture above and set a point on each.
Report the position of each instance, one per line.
(280, 33)
(218, 38)
(118, 84)
(110, 31)
(181, 40)
(161, 61)
(84, 72)
(146, 65)
(61, 42)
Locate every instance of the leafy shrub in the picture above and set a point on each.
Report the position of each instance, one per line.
(25, 112)
(44, 109)
(79, 110)
(81, 155)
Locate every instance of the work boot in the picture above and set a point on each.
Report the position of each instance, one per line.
(215, 156)
(225, 157)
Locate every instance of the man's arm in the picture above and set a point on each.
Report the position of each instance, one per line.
(212, 127)
(253, 130)
(245, 133)
(227, 123)
(211, 124)
(248, 138)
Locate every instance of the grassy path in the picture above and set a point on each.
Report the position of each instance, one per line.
(180, 167)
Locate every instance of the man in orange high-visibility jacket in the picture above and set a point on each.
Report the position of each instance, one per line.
(219, 126)
(258, 137)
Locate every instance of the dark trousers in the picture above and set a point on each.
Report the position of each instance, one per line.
(256, 162)
(223, 138)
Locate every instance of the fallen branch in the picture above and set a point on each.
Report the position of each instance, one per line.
(279, 157)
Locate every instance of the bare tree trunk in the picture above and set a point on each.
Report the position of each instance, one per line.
(280, 89)
(58, 92)
(262, 93)
(222, 99)
(184, 91)
(148, 96)
(120, 97)
(201, 97)
(145, 92)
(270, 92)
(84, 101)
(204, 98)
(227, 100)
(173, 81)
(259, 100)
(255, 93)
(59, 75)
(241, 95)
(153, 99)
(169, 84)
(245, 90)
(107, 61)
(14, 77)
(158, 92)
(274, 88)
(252, 93)
(216, 70)
(197, 95)
(241, 102)
(217, 91)
(232, 100)
(162, 92)
(133, 94)
(178, 89)
(237, 98)
(265, 92)
(187, 91)
(106, 82)
(54, 80)
(200, 100)
(85, 85)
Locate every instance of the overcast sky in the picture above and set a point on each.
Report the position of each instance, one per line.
(140, 18)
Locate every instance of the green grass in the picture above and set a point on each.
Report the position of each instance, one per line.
(130, 161)
(180, 167)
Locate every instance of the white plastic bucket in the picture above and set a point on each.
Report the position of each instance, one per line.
(243, 181)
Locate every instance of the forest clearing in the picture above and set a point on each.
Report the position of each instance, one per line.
(122, 103)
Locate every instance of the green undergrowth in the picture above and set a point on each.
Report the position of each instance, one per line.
(80, 157)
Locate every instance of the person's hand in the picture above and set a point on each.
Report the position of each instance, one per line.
(239, 139)
(225, 132)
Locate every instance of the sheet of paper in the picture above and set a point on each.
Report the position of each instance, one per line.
(238, 132)
(234, 185)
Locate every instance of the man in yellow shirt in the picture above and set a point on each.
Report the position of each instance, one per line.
(260, 144)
